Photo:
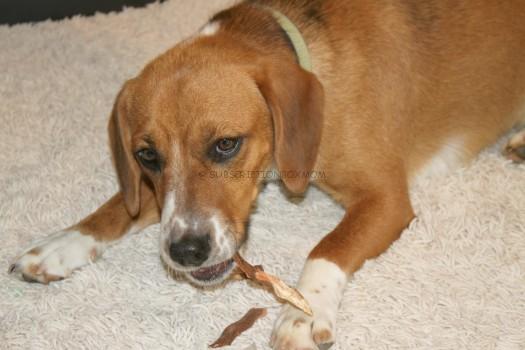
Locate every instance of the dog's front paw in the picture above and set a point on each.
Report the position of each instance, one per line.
(55, 257)
(294, 330)
(322, 284)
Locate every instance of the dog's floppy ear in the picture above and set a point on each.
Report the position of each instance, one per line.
(295, 98)
(128, 171)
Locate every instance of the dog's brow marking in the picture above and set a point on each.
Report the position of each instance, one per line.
(210, 28)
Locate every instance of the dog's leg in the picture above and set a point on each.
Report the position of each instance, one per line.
(370, 225)
(515, 149)
(56, 256)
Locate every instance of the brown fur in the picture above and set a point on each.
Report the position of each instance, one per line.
(393, 83)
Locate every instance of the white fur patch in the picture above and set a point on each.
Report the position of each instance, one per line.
(170, 201)
(57, 255)
(167, 216)
(168, 210)
(182, 223)
(518, 139)
(224, 250)
(448, 158)
(210, 29)
(322, 283)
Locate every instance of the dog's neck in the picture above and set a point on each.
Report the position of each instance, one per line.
(264, 27)
(295, 37)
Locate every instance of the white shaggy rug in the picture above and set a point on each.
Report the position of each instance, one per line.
(455, 280)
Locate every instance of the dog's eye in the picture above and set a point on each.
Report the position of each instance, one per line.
(149, 158)
(225, 148)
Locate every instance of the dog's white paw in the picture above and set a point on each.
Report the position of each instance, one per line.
(294, 330)
(56, 256)
(322, 284)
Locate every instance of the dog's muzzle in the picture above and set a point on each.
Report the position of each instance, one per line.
(200, 249)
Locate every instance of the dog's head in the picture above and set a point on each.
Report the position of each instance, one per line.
(199, 129)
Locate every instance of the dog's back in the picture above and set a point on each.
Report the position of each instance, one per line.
(432, 82)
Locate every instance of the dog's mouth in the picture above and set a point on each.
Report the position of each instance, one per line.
(212, 273)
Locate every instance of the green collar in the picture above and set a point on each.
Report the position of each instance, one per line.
(297, 40)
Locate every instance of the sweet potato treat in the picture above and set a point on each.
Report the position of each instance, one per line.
(280, 289)
(235, 329)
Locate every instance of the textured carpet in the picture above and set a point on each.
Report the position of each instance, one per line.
(455, 280)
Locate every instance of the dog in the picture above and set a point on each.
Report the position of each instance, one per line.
(373, 94)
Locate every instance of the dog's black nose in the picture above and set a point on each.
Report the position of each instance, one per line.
(191, 250)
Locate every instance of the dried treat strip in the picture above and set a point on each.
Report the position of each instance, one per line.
(280, 289)
(235, 329)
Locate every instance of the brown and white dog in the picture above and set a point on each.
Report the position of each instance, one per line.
(398, 89)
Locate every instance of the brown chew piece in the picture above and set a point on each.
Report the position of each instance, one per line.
(235, 329)
(280, 289)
